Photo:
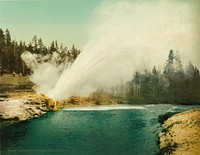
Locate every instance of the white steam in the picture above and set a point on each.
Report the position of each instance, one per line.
(126, 36)
(30, 60)
(45, 74)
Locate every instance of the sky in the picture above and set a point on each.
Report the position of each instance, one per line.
(65, 21)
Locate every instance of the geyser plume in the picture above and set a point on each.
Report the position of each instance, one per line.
(45, 74)
(127, 36)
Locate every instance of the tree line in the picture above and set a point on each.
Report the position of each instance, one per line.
(173, 85)
(11, 50)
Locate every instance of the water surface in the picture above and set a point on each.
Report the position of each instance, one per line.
(98, 130)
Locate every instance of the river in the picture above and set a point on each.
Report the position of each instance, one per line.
(97, 130)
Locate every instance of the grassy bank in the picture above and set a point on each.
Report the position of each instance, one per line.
(10, 83)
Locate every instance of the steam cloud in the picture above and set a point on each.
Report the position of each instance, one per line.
(45, 74)
(125, 36)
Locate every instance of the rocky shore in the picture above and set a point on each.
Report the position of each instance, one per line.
(181, 134)
(16, 107)
(21, 106)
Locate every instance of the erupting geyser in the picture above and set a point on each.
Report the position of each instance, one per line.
(127, 36)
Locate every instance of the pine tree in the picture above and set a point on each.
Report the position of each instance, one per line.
(177, 63)
(52, 47)
(154, 82)
(8, 53)
(7, 38)
(2, 46)
(40, 43)
(190, 70)
(56, 45)
(174, 69)
(41, 48)
(74, 52)
(2, 40)
(196, 73)
(20, 64)
(175, 75)
(30, 47)
(170, 57)
(137, 82)
(169, 70)
(35, 44)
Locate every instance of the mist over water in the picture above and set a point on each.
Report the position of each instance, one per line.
(127, 36)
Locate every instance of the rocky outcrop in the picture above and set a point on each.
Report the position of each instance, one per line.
(21, 108)
(181, 134)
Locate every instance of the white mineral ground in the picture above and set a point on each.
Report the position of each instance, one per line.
(24, 107)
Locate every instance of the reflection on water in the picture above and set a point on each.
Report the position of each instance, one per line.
(11, 134)
(114, 131)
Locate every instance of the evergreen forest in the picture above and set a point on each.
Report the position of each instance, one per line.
(174, 84)
(11, 50)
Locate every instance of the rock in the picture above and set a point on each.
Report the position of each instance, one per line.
(24, 107)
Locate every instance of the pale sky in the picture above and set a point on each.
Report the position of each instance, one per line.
(65, 21)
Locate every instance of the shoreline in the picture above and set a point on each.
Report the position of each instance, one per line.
(22, 106)
(180, 134)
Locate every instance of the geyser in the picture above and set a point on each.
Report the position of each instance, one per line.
(127, 36)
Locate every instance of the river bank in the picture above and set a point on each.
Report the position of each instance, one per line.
(180, 134)
(22, 106)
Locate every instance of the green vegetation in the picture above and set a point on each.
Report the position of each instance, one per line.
(173, 85)
(11, 50)
(10, 83)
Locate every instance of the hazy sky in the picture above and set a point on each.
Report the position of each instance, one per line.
(64, 21)
(67, 21)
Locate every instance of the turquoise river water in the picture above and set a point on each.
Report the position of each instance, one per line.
(97, 130)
